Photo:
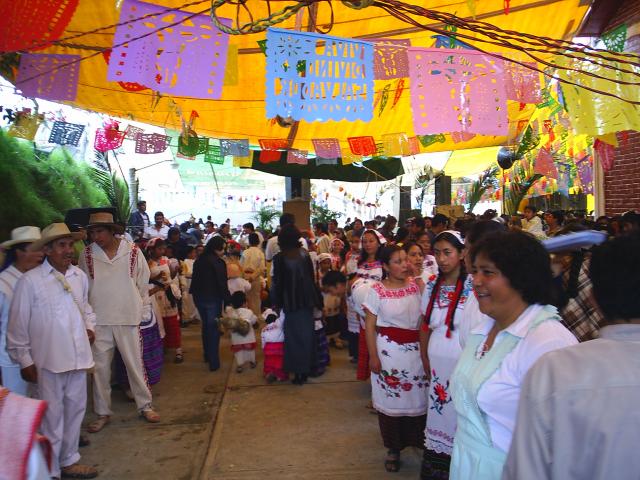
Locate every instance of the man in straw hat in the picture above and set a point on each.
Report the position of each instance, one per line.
(51, 327)
(21, 257)
(118, 291)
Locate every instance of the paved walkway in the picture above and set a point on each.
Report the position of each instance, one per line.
(226, 425)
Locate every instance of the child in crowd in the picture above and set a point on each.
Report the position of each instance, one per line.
(189, 310)
(334, 285)
(337, 247)
(235, 282)
(243, 337)
(273, 346)
(351, 259)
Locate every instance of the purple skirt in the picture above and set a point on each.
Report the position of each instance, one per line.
(152, 357)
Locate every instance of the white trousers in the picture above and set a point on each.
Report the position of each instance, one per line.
(129, 342)
(13, 381)
(244, 356)
(66, 397)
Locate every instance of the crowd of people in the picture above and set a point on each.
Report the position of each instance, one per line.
(464, 328)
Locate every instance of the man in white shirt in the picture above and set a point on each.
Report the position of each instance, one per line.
(243, 238)
(118, 285)
(578, 411)
(21, 258)
(209, 231)
(159, 229)
(51, 327)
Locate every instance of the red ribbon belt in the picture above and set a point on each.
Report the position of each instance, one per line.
(400, 335)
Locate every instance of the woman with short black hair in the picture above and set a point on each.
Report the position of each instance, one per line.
(513, 283)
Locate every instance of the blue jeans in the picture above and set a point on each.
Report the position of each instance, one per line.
(210, 311)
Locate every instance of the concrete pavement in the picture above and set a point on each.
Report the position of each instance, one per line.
(231, 426)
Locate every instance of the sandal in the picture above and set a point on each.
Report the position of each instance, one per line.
(78, 471)
(392, 462)
(98, 424)
(179, 358)
(150, 415)
(84, 441)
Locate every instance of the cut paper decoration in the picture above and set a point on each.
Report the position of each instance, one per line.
(544, 164)
(337, 83)
(25, 125)
(384, 98)
(522, 84)
(214, 155)
(64, 133)
(605, 153)
(148, 143)
(414, 146)
(390, 58)
(326, 161)
(457, 91)
(564, 179)
(615, 39)
(459, 137)
(428, 140)
(49, 76)
(271, 149)
(585, 174)
(31, 23)
(131, 132)
(363, 146)
(108, 139)
(203, 145)
(231, 70)
(128, 86)
(326, 147)
(181, 54)
(242, 161)
(237, 148)
(444, 41)
(262, 44)
(395, 144)
(348, 158)
(398, 93)
(297, 156)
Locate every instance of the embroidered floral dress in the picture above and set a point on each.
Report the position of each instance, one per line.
(400, 387)
(443, 355)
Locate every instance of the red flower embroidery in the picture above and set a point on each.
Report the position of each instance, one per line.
(441, 392)
(392, 381)
(432, 277)
(406, 386)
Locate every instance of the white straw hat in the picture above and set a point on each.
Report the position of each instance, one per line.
(26, 234)
(54, 232)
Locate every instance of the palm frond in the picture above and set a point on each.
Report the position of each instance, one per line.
(517, 192)
(478, 188)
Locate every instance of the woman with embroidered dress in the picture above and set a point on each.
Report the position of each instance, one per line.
(398, 381)
(369, 271)
(512, 281)
(160, 275)
(443, 301)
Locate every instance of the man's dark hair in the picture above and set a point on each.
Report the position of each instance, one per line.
(322, 227)
(531, 208)
(157, 214)
(209, 224)
(216, 243)
(558, 215)
(141, 202)
(287, 219)
(289, 238)
(333, 278)
(522, 260)
(249, 225)
(238, 299)
(418, 222)
(615, 275)
(439, 219)
(478, 230)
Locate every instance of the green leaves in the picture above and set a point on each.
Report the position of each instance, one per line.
(265, 216)
(116, 190)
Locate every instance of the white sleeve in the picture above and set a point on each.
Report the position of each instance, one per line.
(18, 339)
(89, 314)
(372, 301)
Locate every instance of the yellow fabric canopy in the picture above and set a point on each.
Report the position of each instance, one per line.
(240, 113)
(465, 163)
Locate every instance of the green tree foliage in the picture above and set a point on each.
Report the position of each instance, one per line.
(116, 191)
(320, 214)
(265, 217)
(38, 188)
(485, 181)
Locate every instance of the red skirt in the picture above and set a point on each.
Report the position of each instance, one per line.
(274, 360)
(173, 337)
(363, 372)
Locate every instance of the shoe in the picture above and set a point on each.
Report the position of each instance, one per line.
(184, 324)
(179, 358)
(98, 424)
(78, 471)
(270, 378)
(239, 370)
(150, 415)
(252, 364)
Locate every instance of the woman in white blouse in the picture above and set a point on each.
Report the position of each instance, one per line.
(512, 281)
